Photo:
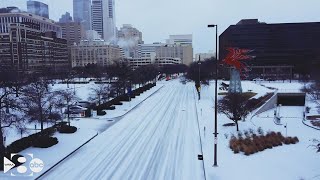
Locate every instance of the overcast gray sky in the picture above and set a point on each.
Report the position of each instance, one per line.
(157, 19)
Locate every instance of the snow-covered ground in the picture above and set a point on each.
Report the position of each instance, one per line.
(159, 139)
(87, 128)
(288, 162)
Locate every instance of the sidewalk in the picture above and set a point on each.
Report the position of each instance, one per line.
(126, 107)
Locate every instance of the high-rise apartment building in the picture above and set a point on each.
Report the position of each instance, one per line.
(103, 19)
(82, 13)
(38, 8)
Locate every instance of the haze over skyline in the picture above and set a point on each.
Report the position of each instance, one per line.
(159, 19)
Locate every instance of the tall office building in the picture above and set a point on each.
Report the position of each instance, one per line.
(166, 51)
(277, 47)
(73, 32)
(128, 39)
(103, 19)
(82, 13)
(97, 17)
(38, 8)
(65, 18)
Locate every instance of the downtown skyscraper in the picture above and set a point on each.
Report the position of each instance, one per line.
(103, 19)
(82, 13)
(38, 8)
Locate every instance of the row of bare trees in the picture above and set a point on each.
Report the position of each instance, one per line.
(33, 101)
(122, 78)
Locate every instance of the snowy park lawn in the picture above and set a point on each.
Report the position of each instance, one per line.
(50, 156)
(287, 162)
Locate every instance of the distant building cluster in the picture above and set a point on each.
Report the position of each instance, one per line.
(32, 42)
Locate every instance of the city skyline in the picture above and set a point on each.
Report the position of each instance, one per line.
(157, 20)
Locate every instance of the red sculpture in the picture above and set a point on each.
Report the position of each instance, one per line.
(233, 59)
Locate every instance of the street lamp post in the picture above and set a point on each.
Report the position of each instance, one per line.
(215, 164)
(199, 63)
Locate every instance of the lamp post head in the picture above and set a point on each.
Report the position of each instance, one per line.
(211, 25)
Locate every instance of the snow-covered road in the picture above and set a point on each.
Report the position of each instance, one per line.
(157, 140)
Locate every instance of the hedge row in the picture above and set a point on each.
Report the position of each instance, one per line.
(315, 123)
(74, 82)
(117, 100)
(34, 140)
(256, 143)
(67, 129)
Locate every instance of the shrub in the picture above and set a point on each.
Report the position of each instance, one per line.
(45, 142)
(67, 129)
(316, 123)
(286, 141)
(26, 142)
(118, 103)
(101, 113)
(229, 124)
(260, 131)
(110, 108)
(19, 145)
(252, 143)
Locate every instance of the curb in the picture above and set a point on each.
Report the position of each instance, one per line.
(303, 121)
(195, 105)
(65, 157)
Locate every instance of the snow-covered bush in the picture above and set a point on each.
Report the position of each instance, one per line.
(45, 142)
(67, 129)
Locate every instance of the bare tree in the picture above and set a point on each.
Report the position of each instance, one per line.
(66, 97)
(40, 103)
(9, 113)
(144, 74)
(100, 93)
(9, 104)
(313, 90)
(122, 71)
(234, 106)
